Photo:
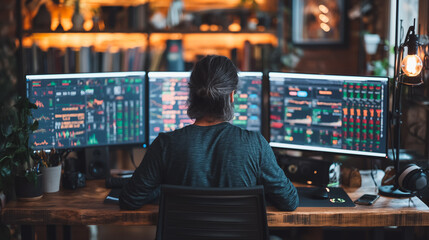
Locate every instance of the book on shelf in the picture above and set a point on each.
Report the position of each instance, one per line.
(174, 56)
(253, 57)
(130, 18)
(137, 17)
(82, 60)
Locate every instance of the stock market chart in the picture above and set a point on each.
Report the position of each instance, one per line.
(168, 94)
(79, 110)
(341, 114)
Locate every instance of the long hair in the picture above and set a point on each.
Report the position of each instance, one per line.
(212, 80)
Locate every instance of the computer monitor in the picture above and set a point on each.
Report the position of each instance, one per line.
(327, 113)
(248, 101)
(168, 94)
(88, 109)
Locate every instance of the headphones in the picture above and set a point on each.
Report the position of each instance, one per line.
(413, 178)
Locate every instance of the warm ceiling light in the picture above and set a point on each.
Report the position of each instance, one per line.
(323, 9)
(325, 27)
(323, 18)
(412, 65)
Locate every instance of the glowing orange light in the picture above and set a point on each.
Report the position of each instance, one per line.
(412, 65)
(66, 23)
(234, 27)
(323, 18)
(323, 9)
(54, 23)
(204, 27)
(214, 28)
(325, 27)
(88, 25)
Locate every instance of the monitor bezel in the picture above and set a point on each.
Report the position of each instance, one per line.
(300, 147)
(143, 144)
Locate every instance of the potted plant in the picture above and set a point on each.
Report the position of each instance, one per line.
(51, 170)
(18, 164)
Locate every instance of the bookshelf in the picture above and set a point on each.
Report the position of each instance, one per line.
(119, 35)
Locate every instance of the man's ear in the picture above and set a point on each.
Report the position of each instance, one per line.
(231, 96)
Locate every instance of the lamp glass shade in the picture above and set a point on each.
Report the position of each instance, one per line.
(412, 65)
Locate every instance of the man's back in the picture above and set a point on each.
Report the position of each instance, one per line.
(220, 155)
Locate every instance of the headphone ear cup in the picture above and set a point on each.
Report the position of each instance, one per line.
(419, 181)
(413, 178)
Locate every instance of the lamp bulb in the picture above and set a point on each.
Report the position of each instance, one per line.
(412, 65)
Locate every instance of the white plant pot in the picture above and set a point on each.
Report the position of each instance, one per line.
(51, 179)
(371, 43)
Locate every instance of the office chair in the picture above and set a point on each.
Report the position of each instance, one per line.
(211, 213)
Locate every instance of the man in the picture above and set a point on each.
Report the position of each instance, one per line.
(211, 152)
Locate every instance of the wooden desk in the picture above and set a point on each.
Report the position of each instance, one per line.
(85, 207)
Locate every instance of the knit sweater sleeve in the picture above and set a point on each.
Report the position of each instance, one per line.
(143, 186)
(278, 188)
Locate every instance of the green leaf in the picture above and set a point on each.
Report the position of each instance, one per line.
(10, 145)
(6, 158)
(5, 172)
(21, 149)
(31, 176)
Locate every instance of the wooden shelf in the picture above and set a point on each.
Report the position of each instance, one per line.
(86, 32)
(100, 40)
(174, 31)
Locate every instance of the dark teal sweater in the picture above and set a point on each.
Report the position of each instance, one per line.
(221, 155)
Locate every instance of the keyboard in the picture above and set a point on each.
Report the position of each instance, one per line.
(116, 182)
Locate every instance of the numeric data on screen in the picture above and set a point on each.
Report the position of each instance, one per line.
(168, 95)
(91, 111)
(333, 114)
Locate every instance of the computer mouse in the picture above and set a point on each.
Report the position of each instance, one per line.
(320, 193)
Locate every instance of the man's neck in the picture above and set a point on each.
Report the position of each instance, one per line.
(206, 121)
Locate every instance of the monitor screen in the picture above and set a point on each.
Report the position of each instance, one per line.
(88, 109)
(168, 94)
(248, 101)
(340, 114)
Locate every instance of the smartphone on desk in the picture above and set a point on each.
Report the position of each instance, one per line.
(367, 199)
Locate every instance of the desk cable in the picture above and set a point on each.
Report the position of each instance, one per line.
(374, 167)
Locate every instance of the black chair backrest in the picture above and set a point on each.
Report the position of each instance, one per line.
(212, 213)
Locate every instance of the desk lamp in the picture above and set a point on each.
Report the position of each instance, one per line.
(407, 72)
